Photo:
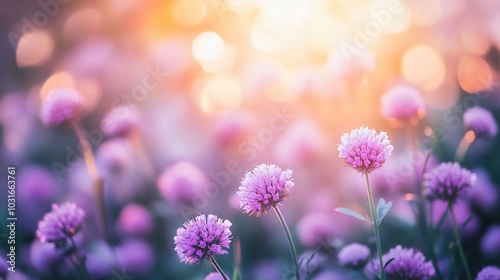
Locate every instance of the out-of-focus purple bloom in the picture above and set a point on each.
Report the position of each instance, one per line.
(3, 267)
(113, 155)
(315, 228)
(354, 255)
(44, 258)
(100, 260)
(490, 244)
(266, 186)
(120, 120)
(403, 103)
(135, 220)
(489, 273)
(61, 105)
(408, 264)
(484, 195)
(266, 270)
(214, 276)
(201, 238)
(301, 142)
(334, 275)
(136, 257)
(39, 185)
(311, 263)
(447, 182)
(481, 121)
(365, 150)
(62, 223)
(180, 182)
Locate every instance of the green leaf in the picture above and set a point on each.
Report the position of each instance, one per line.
(352, 213)
(387, 263)
(466, 223)
(382, 209)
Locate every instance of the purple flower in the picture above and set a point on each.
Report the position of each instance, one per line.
(3, 267)
(490, 243)
(202, 237)
(447, 182)
(62, 223)
(181, 182)
(61, 105)
(403, 103)
(266, 186)
(489, 273)
(365, 150)
(136, 257)
(120, 120)
(135, 219)
(354, 255)
(408, 264)
(214, 276)
(481, 121)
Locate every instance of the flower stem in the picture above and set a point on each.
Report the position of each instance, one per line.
(375, 225)
(77, 261)
(218, 268)
(96, 178)
(290, 241)
(464, 145)
(459, 243)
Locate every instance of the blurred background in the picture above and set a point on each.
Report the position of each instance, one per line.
(224, 85)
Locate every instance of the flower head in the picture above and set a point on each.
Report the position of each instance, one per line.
(481, 121)
(354, 255)
(214, 276)
(365, 150)
(403, 103)
(202, 237)
(61, 105)
(63, 222)
(408, 264)
(120, 120)
(447, 182)
(489, 273)
(266, 186)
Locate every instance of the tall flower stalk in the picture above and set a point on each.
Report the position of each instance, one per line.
(449, 182)
(263, 188)
(366, 151)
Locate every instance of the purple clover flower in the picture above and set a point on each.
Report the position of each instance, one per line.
(481, 121)
(63, 222)
(365, 150)
(266, 186)
(61, 105)
(213, 276)
(447, 182)
(120, 120)
(489, 273)
(403, 103)
(408, 264)
(201, 238)
(354, 255)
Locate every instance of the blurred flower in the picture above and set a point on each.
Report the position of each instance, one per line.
(136, 257)
(266, 186)
(120, 120)
(490, 244)
(44, 258)
(39, 185)
(3, 267)
(408, 264)
(448, 181)
(365, 150)
(135, 219)
(311, 261)
(181, 181)
(61, 105)
(354, 255)
(489, 273)
(62, 223)
(214, 276)
(484, 195)
(202, 237)
(100, 260)
(266, 270)
(315, 228)
(481, 121)
(403, 104)
(113, 155)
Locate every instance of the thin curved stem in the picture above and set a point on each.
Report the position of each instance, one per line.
(375, 225)
(464, 145)
(459, 243)
(218, 268)
(293, 251)
(96, 178)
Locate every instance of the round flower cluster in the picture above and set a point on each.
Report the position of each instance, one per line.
(447, 182)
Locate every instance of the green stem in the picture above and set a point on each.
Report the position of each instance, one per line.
(375, 224)
(459, 243)
(218, 268)
(290, 241)
(77, 262)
